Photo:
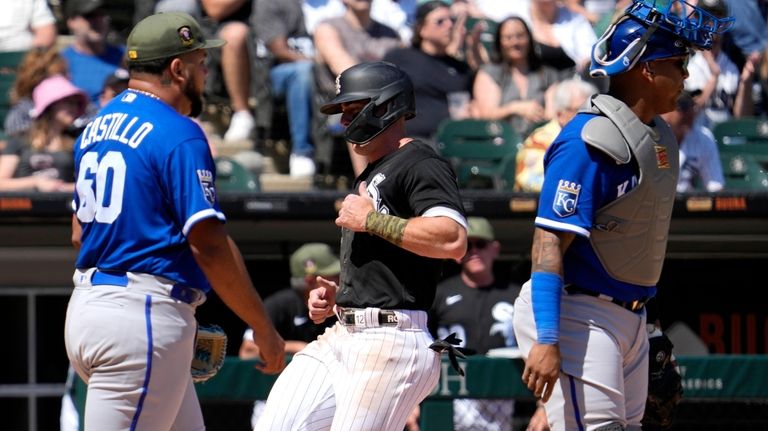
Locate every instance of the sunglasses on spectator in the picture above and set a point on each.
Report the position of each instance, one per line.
(479, 244)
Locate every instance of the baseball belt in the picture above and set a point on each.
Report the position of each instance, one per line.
(179, 292)
(633, 306)
(362, 317)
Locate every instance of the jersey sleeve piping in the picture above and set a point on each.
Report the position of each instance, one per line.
(200, 216)
(556, 225)
(446, 212)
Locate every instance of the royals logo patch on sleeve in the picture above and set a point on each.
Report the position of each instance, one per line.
(566, 198)
(206, 183)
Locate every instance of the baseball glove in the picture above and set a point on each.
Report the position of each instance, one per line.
(210, 350)
(665, 388)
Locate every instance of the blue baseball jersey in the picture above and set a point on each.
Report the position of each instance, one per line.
(579, 180)
(145, 176)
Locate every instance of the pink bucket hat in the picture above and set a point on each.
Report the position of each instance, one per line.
(53, 89)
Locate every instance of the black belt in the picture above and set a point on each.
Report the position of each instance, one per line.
(633, 306)
(385, 317)
(179, 292)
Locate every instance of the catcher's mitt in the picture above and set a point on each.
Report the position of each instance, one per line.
(210, 350)
(665, 388)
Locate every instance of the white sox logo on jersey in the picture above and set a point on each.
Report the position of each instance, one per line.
(373, 191)
(503, 313)
(566, 198)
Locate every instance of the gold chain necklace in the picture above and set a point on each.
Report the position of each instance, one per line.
(146, 93)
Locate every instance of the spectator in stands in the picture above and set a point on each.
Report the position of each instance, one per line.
(563, 38)
(700, 166)
(25, 25)
(287, 308)
(514, 89)
(228, 20)
(593, 10)
(37, 64)
(90, 58)
(749, 37)
(347, 40)
(145, 8)
(397, 14)
(433, 71)
(115, 84)
(569, 96)
(43, 161)
(720, 89)
(280, 28)
(477, 306)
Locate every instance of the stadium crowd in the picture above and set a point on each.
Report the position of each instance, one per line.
(469, 59)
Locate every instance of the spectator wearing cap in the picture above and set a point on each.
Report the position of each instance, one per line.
(287, 308)
(25, 25)
(478, 306)
(42, 160)
(91, 59)
(700, 166)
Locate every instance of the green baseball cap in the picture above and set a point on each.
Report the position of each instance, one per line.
(314, 259)
(479, 227)
(164, 35)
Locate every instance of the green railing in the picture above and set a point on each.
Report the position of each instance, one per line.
(715, 377)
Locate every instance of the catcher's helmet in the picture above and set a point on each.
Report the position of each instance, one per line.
(652, 30)
(385, 85)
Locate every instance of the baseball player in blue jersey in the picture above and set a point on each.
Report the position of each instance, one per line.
(152, 242)
(369, 371)
(602, 224)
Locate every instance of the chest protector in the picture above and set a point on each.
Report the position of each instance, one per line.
(630, 234)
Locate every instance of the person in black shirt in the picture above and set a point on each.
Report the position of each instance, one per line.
(287, 308)
(372, 368)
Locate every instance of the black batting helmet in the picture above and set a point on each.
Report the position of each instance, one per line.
(384, 84)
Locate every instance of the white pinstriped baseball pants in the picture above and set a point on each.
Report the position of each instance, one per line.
(353, 378)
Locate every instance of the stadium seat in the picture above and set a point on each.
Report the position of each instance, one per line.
(743, 171)
(482, 152)
(234, 177)
(9, 62)
(743, 147)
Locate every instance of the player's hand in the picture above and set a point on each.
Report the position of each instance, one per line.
(321, 300)
(542, 368)
(412, 423)
(354, 209)
(538, 421)
(271, 351)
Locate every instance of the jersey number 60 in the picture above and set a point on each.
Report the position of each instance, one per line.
(109, 176)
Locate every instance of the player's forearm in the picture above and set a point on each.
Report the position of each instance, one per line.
(435, 237)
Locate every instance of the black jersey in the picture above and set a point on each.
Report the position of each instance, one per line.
(289, 313)
(377, 273)
(482, 316)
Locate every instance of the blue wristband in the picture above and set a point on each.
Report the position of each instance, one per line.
(545, 295)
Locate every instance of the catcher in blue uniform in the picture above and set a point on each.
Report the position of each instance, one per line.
(602, 224)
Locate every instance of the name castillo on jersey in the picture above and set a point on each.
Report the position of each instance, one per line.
(116, 126)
